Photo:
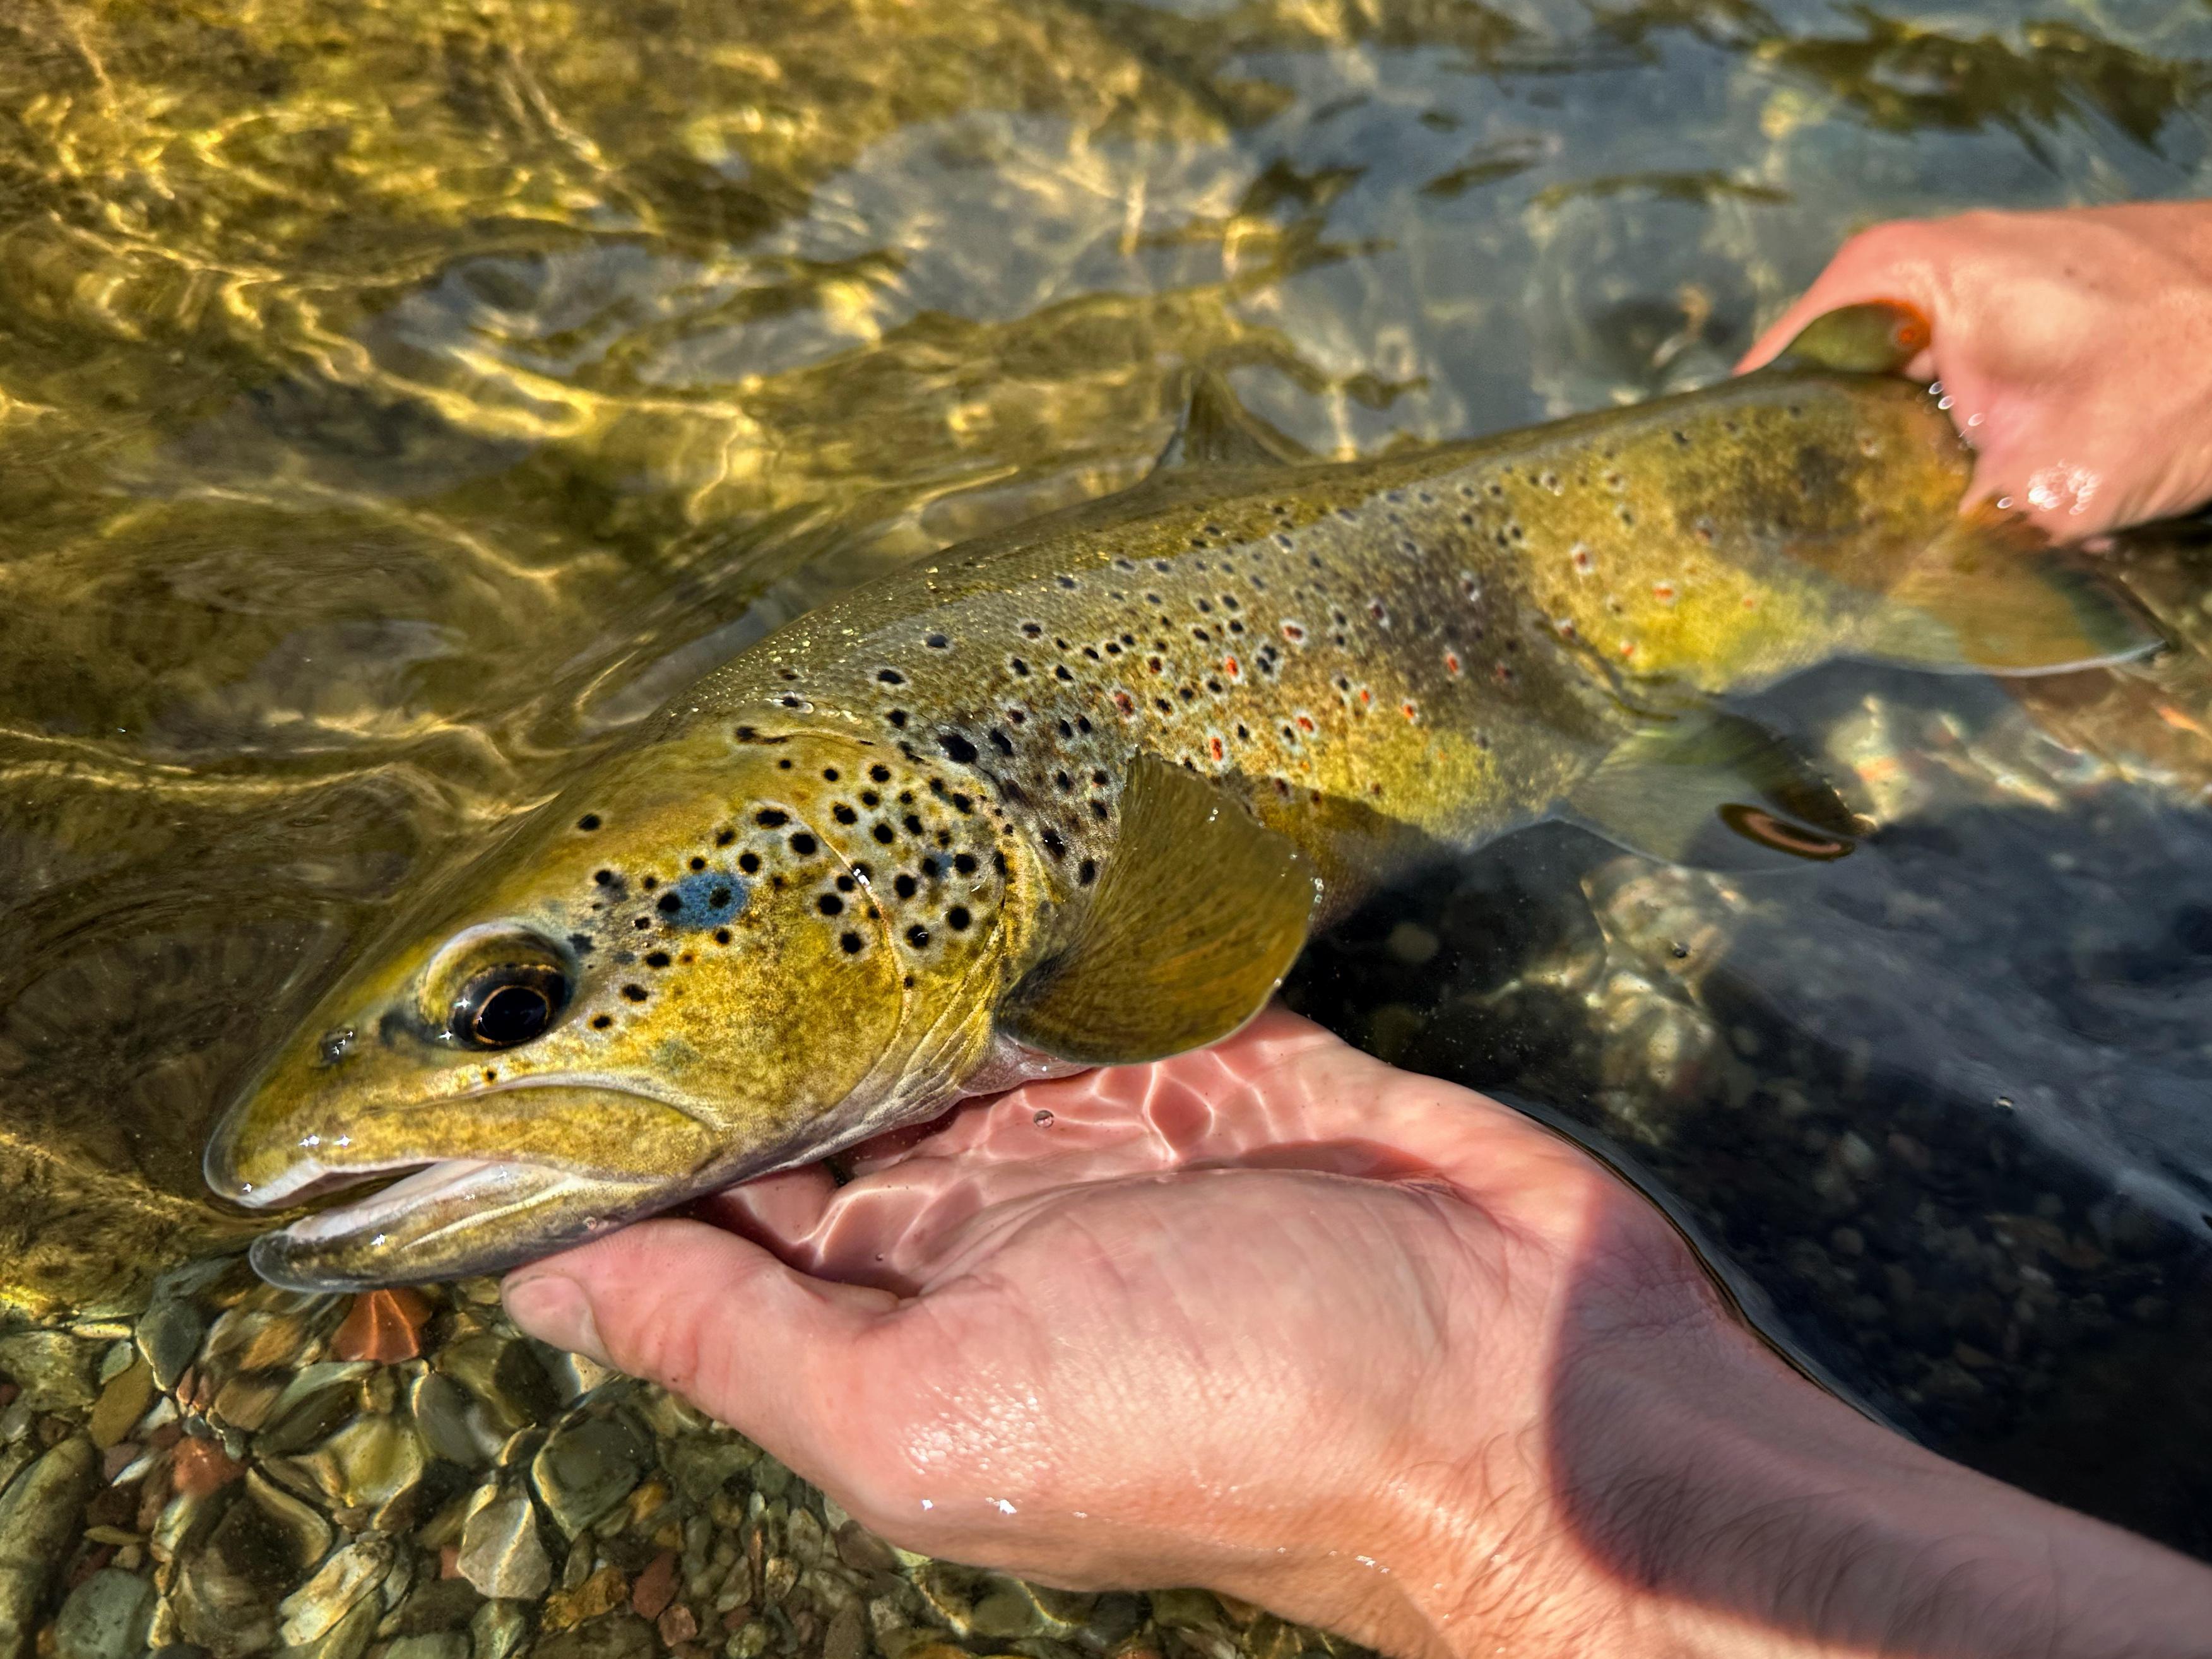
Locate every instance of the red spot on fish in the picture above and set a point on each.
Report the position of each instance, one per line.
(1566, 627)
(1219, 752)
(1451, 662)
(1628, 648)
(1293, 633)
(1410, 712)
(1305, 722)
(1663, 592)
(1582, 560)
(1705, 534)
(1749, 603)
(1125, 702)
(1501, 673)
(1365, 695)
(1229, 666)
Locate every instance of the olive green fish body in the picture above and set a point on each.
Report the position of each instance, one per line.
(1074, 793)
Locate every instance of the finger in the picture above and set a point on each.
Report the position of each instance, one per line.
(1878, 265)
(713, 1318)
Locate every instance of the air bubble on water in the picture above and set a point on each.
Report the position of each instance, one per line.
(2005, 1102)
(1043, 1120)
(1943, 402)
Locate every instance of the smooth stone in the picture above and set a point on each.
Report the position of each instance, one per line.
(498, 1631)
(105, 1617)
(618, 1636)
(53, 1368)
(443, 1644)
(350, 1574)
(39, 1516)
(369, 1464)
(349, 1639)
(584, 1469)
(122, 1402)
(451, 1424)
(501, 1551)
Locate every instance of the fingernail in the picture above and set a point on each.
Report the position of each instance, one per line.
(554, 1308)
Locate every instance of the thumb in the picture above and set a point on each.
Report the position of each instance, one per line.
(717, 1319)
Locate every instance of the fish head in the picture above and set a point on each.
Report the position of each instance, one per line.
(712, 956)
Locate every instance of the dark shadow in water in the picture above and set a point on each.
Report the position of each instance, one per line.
(1939, 1114)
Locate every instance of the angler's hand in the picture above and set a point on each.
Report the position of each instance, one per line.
(1369, 1350)
(2075, 346)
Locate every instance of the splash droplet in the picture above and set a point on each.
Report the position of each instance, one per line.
(1043, 1120)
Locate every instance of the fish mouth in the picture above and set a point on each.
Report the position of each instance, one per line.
(449, 1219)
(465, 1191)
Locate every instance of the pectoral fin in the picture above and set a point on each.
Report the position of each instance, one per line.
(1193, 925)
(1992, 594)
(1878, 337)
(1710, 787)
(1219, 431)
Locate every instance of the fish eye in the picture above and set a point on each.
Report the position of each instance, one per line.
(506, 1007)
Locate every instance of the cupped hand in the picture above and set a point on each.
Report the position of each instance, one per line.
(1263, 1318)
(2075, 347)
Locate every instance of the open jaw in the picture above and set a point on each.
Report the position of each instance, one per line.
(447, 1220)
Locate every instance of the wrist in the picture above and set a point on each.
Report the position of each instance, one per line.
(1692, 1497)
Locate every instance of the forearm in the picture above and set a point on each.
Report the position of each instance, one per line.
(1725, 1506)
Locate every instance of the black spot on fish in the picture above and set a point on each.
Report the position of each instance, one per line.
(1053, 843)
(830, 904)
(656, 958)
(849, 943)
(749, 862)
(605, 877)
(721, 936)
(671, 902)
(1020, 666)
(724, 837)
(917, 936)
(884, 834)
(589, 822)
(770, 818)
(955, 747)
(844, 814)
(897, 718)
(935, 641)
(634, 993)
(804, 844)
(1087, 872)
(890, 677)
(698, 863)
(964, 863)
(1000, 741)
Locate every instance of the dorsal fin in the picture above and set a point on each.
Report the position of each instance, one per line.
(1192, 926)
(1878, 337)
(1216, 430)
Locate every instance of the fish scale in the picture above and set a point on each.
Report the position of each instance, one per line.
(1075, 794)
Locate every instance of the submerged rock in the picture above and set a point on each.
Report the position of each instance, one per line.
(40, 1512)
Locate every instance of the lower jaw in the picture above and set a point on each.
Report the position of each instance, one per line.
(451, 1221)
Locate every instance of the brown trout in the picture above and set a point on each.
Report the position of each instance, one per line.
(1075, 794)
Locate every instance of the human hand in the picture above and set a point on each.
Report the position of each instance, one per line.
(2076, 347)
(1276, 1319)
